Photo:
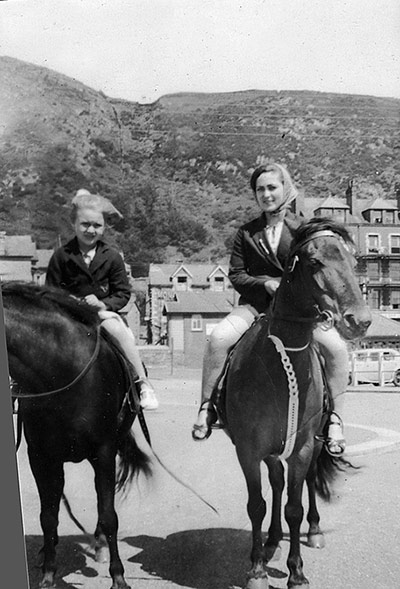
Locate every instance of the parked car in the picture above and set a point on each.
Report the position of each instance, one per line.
(375, 365)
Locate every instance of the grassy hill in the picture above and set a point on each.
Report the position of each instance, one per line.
(178, 169)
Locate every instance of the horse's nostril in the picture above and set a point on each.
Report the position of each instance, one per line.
(365, 324)
(360, 320)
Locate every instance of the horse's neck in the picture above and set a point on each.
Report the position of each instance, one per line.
(291, 326)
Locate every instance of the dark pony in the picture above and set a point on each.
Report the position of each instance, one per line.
(77, 401)
(272, 405)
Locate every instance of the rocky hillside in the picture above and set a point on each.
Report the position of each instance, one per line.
(178, 169)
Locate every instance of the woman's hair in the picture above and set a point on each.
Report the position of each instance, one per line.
(83, 199)
(290, 192)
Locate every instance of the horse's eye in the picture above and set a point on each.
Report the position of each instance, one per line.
(314, 263)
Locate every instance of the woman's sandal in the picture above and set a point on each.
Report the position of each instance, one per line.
(335, 443)
(207, 416)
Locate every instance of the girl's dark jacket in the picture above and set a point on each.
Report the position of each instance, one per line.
(252, 261)
(106, 277)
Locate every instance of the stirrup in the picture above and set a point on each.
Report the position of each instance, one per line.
(203, 431)
(332, 444)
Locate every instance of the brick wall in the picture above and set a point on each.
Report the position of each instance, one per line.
(155, 355)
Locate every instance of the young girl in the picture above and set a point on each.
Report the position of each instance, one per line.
(256, 266)
(90, 269)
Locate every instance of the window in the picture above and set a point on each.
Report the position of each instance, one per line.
(376, 216)
(372, 243)
(388, 217)
(395, 299)
(394, 241)
(219, 283)
(373, 269)
(374, 298)
(339, 215)
(197, 323)
(394, 270)
(181, 283)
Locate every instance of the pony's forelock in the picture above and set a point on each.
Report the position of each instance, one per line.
(307, 230)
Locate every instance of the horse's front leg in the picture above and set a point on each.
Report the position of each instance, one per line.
(257, 577)
(315, 536)
(102, 552)
(104, 468)
(297, 470)
(49, 477)
(277, 480)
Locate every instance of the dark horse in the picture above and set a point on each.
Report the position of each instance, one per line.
(75, 404)
(274, 391)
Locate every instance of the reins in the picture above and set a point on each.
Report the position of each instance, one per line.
(83, 372)
(325, 316)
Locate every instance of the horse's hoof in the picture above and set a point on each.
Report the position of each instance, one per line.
(302, 585)
(102, 554)
(47, 584)
(316, 541)
(257, 583)
(273, 553)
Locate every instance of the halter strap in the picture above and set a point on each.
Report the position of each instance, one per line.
(322, 233)
(74, 381)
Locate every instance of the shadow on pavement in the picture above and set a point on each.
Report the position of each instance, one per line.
(217, 558)
(72, 553)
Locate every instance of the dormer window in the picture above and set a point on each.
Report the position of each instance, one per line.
(181, 283)
(376, 216)
(219, 283)
(388, 217)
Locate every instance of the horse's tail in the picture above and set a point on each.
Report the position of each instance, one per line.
(327, 470)
(132, 460)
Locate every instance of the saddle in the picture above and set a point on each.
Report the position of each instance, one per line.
(218, 396)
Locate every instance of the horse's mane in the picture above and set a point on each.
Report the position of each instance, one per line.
(51, 300)
(307, 230)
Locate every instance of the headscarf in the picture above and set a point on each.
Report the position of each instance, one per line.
(83, 199)
(290, 192)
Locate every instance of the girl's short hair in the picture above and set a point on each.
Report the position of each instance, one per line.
(83, 199)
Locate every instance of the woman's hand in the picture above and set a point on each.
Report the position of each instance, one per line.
(271, 286)
(94, 301)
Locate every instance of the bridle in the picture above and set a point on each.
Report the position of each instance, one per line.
(324, 317)
(79, 377)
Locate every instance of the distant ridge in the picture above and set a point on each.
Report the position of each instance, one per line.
(179, 167)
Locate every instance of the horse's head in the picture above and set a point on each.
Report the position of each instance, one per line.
(320, 271)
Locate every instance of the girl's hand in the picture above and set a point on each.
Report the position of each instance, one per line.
(94, 301)
(271, 286)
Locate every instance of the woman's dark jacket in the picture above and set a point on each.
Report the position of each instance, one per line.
(252, 262)
(106, 276)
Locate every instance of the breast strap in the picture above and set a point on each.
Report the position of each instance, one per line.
(293, 407)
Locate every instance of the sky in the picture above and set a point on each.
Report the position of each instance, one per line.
(140, 50)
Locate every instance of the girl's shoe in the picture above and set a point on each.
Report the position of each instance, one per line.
(148, 399)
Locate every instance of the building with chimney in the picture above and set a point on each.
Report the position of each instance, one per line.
(166, 283)
(375, 227)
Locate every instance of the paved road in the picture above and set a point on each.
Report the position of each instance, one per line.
(169, 539)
